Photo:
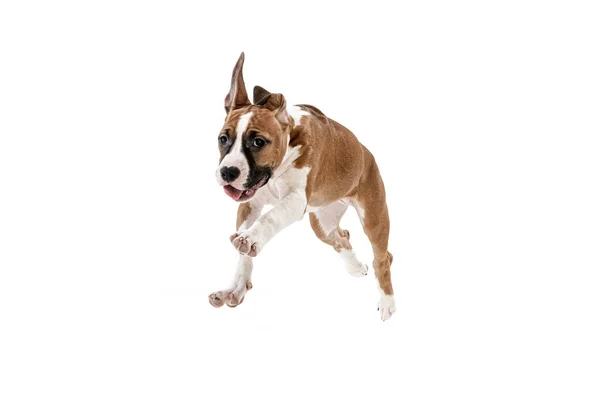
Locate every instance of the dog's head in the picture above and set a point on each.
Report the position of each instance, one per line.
(253, 140)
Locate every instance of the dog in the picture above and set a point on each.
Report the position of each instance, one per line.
(299, 161)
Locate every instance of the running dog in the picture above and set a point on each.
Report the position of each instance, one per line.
(299, 161)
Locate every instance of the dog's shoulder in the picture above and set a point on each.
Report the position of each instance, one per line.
(312, 109)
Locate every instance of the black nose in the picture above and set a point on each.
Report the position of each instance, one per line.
(229, 173)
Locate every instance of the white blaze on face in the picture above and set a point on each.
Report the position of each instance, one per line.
(236, 157)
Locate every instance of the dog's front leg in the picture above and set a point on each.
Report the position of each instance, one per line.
(290, 209)
(234, 294)
(292, 193)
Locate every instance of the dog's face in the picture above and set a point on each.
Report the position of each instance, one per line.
(253, 140)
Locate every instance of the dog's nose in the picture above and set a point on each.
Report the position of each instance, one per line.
(230, 174)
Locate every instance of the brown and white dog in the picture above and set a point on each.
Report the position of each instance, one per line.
(297, 160)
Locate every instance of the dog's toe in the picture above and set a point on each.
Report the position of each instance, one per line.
(217, 299)
(246, 244)
(234, 300)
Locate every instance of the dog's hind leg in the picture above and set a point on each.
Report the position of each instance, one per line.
(234, 295)
(325, 224)
(370, 203)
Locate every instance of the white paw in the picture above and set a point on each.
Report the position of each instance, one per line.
(246, 243)
(357, 269)
(217, 299)
(353, 265)
(386, 306)
(231, 297)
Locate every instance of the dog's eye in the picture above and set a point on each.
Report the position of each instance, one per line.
(223, 139)
(258, 142)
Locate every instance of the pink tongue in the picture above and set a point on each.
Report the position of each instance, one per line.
(233, 192)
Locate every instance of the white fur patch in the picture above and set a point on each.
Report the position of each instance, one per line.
(353, 265)
(313, 209)
(360, 211)
(386, 305)
(242, 276)
(296, 113)
(348, 255)
(291, 154)
(293, 179)
(291, 188)
(269, 194)
(236, 156)
(243, 123)
(329, 216)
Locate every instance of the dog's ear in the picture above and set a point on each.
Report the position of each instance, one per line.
(261, 95)
(237, 96)
(272, 101)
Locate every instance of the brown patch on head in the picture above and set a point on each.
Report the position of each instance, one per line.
(275, 102)
(265, 125)
(265, 139)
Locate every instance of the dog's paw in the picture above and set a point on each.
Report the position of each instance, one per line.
(217, 299)
(386, 307)
(232, 298)
(357, 270)
(353, 265)
(246, 243)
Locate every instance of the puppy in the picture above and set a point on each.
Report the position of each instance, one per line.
(299, 161)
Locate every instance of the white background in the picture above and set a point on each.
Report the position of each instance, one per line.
(483, 117)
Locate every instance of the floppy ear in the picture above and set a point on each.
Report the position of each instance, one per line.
(237, 96)
(272, 101)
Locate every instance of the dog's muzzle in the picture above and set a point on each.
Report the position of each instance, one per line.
(243, 195)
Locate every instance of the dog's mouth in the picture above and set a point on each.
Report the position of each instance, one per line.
(243, 195)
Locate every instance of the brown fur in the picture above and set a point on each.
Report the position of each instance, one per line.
(243, 212)
(340, 166)
(348, 172)
(262, 124)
